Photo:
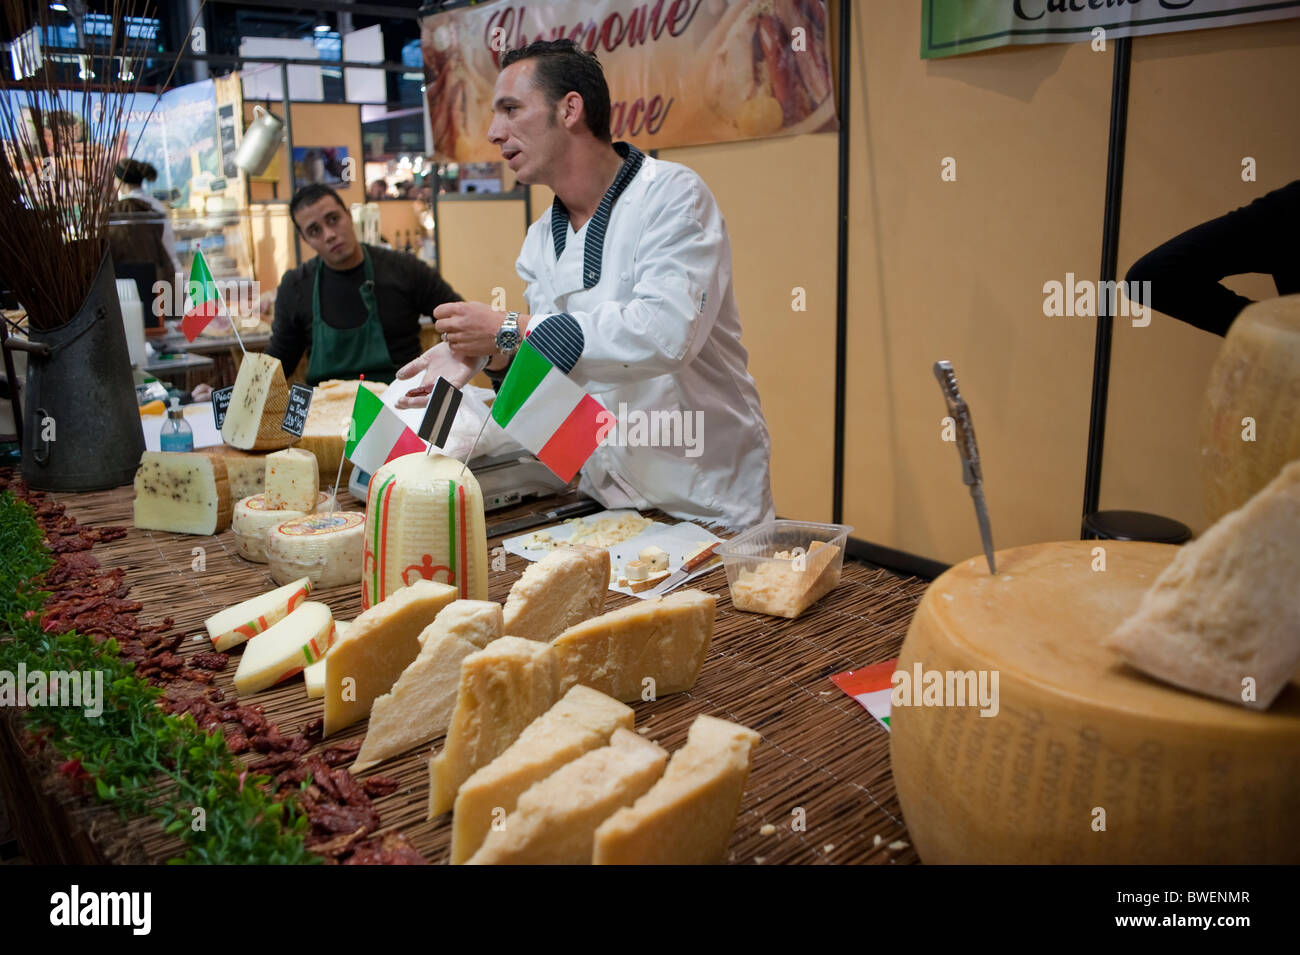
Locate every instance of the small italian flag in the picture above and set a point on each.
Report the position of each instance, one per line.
(378, 434)
(541, 408)
(202, 298)
(872, 687)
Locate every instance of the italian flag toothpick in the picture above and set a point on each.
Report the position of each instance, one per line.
(202, 298)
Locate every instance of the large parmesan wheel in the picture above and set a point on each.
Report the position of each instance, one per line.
(1253, 393)
(1181, 778)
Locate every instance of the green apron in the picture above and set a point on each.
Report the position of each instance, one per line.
(349, 352)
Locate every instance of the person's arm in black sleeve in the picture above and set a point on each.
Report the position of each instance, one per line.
(289, 338)
(433, 289)
(1185, 272)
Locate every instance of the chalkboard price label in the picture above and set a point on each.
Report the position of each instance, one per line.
(220, 402)
(295, 416)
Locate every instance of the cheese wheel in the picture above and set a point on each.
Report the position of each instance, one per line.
(253, 519)
(1079, 740)
(325, 547)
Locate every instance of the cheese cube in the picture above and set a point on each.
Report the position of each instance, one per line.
(246, 470)
(421, 702)
(664, 639)
(313, 677)
(292, 481)
(257, 406)
(245, 620)
(688, 817)
(565, 587)
(503, 688)
(294, 643)
(581, 721)
(556, 820)
(377, 647)
(185, 493)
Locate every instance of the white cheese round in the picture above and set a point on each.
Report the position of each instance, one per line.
(325, 547)
(253, 519)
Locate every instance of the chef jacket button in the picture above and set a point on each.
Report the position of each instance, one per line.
(624, 276)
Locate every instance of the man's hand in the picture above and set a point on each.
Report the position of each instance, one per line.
(438, 362)
(470, 328)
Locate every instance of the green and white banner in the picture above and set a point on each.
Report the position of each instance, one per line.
(953, 27)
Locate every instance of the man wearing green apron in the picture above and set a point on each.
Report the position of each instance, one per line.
(356, 307)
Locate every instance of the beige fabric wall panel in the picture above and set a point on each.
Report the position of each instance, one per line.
(956, 270)
(1199, 103)
(479, 245)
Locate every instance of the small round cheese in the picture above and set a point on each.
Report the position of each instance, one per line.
(325, 547)
(636, 570)
(253, 519)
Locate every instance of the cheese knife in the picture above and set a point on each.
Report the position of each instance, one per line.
(971, 473)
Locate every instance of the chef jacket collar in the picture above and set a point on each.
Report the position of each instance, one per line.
(595, 244)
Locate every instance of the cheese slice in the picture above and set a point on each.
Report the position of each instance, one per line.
(182, 492)
(689, 815)
(296, 642)
(254, 519)
(246, 471)
(556, 820)
(1224, 618)
(421, 702)
(325, 547)
(565, 587)
(327, 423)
(378, 646)
(503, 688)
(257, 405)
(292, 481)
(581, 721)
(245, 620)
(314, 676)
(664, 639)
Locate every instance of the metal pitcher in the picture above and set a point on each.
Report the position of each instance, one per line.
(261, 140)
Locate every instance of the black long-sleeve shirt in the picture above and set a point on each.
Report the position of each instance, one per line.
(1185, 272)
(405, 289)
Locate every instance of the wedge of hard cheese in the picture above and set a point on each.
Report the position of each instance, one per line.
(292, 480)
(565, 587)
(379, 645)
(313, 677)
(503, 688)
(181, 492)
(296, 642)
(688, 817)
(555, 821)
(246, 470)
(257, 405)
(421, 702)
(1224, 618)
(663, 640)
(245, 620)
(581, 721)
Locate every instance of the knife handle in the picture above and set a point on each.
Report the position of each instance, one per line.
(703, 556)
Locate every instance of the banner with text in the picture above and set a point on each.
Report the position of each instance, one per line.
(680, 72)
(952, 27)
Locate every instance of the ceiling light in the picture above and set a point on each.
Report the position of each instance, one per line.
(59, 7)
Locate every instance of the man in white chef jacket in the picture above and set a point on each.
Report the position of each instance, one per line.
(629, 281)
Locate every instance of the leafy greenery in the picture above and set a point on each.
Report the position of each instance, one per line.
(140, 759)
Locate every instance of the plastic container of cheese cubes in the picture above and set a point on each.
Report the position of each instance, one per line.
(782, 568)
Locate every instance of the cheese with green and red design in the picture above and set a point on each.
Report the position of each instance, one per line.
(243, 621)
(424, 521)
(325, 547)
(286, 649)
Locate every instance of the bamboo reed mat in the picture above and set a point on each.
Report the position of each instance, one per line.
(821, 751)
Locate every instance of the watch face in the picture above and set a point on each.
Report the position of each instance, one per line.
(507, 339)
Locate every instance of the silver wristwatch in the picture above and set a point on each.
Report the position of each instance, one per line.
(507, 340)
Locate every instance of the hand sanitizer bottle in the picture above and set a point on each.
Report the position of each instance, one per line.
(176, 432)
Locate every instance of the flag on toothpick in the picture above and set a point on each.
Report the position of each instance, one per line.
(377, 434)
(202, 298)
(443, 403)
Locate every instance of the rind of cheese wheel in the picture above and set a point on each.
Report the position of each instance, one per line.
(1183, 779)
(296, 642)
(420, 704)
(313, 677)
(182, 492)
(292, 481)
(254, 519)
(555, 821)
(664, 639)
(1226, 610)
(326, 547)
(245, 620)
(245, 469)
(377, 647)
(582, 720)
(327, 424)
(689, 815)
(503, 688)
(257, 406)
(565, 587)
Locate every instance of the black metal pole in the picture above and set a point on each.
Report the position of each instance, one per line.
(1109, 255)
(841, 271)
(288, 148)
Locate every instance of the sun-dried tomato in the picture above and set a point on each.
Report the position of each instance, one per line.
(377, 786)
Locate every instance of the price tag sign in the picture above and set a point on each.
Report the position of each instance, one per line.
(220, 402)
(295, 416)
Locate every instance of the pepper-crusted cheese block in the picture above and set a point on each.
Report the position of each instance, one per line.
(257, 406)
(292, 480)
(424, 521)
(327, 424)
(254, 519)
(1183, 779)
(245, 620)
(565, 587)
(1225, 614)
(296, 642)
(555, 821)
(503, 688)
(313, 677)
(421, 702)
(581, 721)
(325, 547)
(377, 647)
(688, 817)
(182, 492)
(246, 471)
(664, 639)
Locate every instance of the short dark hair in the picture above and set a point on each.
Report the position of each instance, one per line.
(133, 172)
(563, 67)
(309, 194)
